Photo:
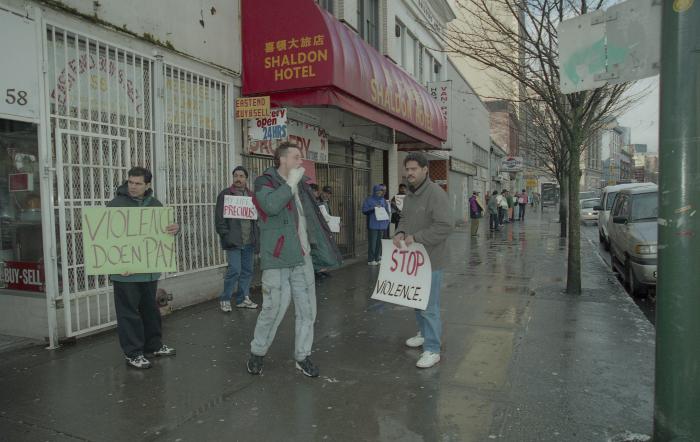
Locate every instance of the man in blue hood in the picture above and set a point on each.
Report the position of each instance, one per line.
(376, 227)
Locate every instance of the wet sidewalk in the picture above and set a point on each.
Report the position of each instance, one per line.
(522, 361)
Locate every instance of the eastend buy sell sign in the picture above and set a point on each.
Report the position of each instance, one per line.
(252, 107)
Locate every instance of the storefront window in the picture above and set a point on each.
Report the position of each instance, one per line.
(21, 247)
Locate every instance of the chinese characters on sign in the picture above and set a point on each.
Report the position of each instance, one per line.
(252, 107)
(295, 58)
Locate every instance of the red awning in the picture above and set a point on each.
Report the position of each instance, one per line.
(300, 55)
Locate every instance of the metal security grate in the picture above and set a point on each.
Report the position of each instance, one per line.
(100, 107)
(197, 148)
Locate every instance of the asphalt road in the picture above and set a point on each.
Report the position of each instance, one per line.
(589, 232)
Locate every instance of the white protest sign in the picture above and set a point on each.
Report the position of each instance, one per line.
(240, 207)
(334, 223)
(405, 276)
(398, 200)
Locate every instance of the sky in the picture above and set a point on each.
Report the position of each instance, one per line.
(643, 118)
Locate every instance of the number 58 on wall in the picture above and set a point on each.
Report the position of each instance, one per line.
(14, 96)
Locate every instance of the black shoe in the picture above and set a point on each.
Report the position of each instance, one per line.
(325, 274)
(308, 368)
(255, 364)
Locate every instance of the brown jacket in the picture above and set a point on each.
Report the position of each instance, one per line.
(426, 216)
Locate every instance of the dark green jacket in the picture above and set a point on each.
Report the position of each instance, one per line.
(278, 221)
(123, 199)
(229, 229)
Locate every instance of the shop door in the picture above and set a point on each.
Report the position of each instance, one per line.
(88, 169)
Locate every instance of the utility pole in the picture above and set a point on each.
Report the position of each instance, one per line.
(677, 396)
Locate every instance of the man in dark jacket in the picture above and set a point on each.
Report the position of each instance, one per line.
(239, 239)
(294, 238)
(475, 211)
(138, 316)
(426, 219)
(376, 227)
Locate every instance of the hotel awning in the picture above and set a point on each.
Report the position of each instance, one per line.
(302, 56)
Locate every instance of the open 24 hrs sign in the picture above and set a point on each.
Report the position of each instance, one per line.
(19, 80)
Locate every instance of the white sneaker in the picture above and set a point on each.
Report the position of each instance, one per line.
(428, 359)
(225, 306)
(247, 303)
(416, 341)
(371, 263)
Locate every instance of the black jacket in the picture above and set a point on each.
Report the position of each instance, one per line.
(229, 229)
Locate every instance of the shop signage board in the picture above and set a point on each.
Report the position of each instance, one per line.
(252, 107)
(25, 276)
(312, 141)
(405, 276)
(128, 239)
(19, 76)
(239, 207)
(273, 127)
(441, 91)
(512, 164)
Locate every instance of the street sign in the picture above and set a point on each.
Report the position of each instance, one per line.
(609, 47)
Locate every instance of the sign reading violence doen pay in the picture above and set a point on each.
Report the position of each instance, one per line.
(405, 276)
(118, 240)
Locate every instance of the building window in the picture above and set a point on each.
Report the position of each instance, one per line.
(368, 21)
(327, 5)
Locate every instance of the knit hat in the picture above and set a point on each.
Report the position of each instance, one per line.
(242, 169)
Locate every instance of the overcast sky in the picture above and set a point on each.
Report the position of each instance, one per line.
(644, 117)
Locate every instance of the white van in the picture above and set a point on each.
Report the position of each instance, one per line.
(606, 202)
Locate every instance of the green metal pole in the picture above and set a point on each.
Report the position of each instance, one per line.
(677, 395)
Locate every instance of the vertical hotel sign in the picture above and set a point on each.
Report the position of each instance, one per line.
(441, 91)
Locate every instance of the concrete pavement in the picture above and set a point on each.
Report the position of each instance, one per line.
(522, 361)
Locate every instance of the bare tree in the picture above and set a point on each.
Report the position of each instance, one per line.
(518, 39)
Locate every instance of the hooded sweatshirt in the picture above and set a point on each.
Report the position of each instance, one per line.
(370, 203)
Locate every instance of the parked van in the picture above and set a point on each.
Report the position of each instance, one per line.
(607, 200)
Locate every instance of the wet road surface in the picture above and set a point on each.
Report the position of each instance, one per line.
(522, 361)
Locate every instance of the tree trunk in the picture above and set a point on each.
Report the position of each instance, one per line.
(573, 271)
(563, 205)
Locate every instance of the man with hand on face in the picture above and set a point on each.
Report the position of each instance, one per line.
(426, 219)
(138, 316)
(294, 237)
(239, 239)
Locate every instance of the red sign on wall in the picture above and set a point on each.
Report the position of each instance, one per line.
(26, 276)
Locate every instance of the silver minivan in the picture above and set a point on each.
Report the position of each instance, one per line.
(632, 230)
(607, 199)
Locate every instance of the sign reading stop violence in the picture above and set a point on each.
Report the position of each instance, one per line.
(405, 276)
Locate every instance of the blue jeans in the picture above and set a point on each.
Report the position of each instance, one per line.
(239, 274)
(374, 251)
(428, 320)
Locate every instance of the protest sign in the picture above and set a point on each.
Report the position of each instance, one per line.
(117, 240)
(405, 276)
(398, 200)
(240, 207)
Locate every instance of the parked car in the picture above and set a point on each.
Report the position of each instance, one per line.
(632, 230)
(606, 202)
(588, 211)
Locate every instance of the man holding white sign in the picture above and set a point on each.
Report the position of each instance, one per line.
(235, 223)
(425, 219)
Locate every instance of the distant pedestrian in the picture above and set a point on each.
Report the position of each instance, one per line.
(373, 206)
(238, 238)
(138, 315)
(493, 211)
(294, 238)
(325, 198)
(475, 212)
(522, 203)
(503, 208)
(395, 209)
(426, 220)
(511, 203)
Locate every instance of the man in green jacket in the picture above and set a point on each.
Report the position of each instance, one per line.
(294, 238)
(138, 316)
(426, 219)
